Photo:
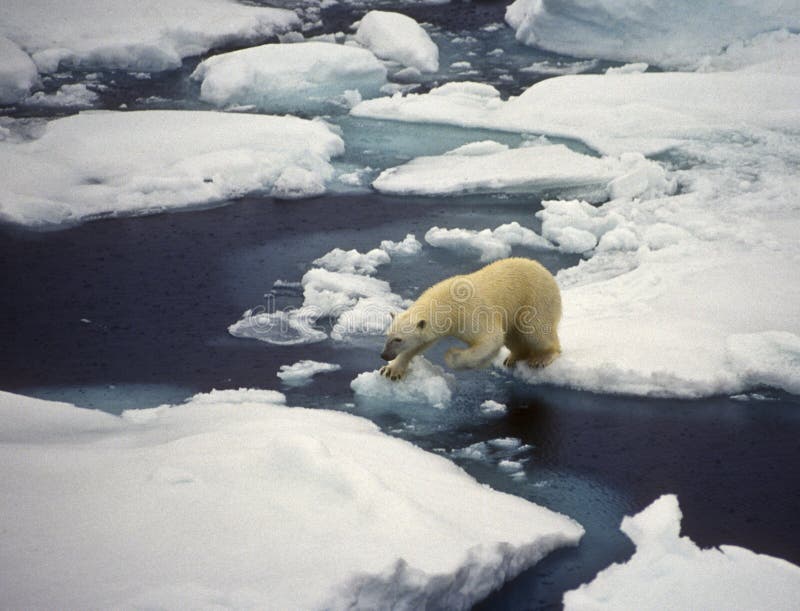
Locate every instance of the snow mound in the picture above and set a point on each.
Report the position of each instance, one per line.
(490, 244)
(146, 36)
(398, 38)
(107, 163)
(18, 74)
(482, 167)
(670, 572)
(305, 77)
(300, 373)
(227, 499)
(669, 35)
(424, 383)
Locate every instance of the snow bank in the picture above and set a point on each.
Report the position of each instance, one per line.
(67, 96)
(539, 169)
(235, 500)
(107, 163)
(671, 282)
(667, 34)
(424, 383)
(18, 74)
(670, 572)
(307, 76)
(398, 38)
(146, 36)
(300, 373)
(490, 244)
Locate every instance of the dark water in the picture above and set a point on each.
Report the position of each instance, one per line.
(133, 312)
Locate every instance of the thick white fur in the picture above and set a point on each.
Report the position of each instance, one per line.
(512, 302)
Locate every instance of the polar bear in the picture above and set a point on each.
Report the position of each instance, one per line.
(513, 302)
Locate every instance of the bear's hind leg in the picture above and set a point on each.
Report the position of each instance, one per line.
(542, 352)
(519, 347)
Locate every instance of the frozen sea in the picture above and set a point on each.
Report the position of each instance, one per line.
(134, 312)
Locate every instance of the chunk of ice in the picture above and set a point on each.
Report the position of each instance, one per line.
(397, 37)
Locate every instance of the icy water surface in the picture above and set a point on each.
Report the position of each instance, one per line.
(134, 311)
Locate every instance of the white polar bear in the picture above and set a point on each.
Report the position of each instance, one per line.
(512, 302)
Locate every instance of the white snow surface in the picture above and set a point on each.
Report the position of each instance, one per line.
(669, 572)
(353, 261)
(407, 247)
(397, 37)
(675, 34)
(145, 36)
(306, 76)
(108, 163)
(687, 294)
(235, 500)
(491, 166)
(424, 383)
(18, 73)
(301, 372)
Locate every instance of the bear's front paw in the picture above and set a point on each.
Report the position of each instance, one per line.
(392, 371)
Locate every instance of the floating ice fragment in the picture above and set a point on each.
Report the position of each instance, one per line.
(670, 571)
(301, 372)
(399, 38)
(424, 382)
(307, 76)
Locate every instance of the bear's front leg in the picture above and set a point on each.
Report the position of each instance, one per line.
(477, 355)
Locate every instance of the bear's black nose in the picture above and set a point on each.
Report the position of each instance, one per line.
(385, 356)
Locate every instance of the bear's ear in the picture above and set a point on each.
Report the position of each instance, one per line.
(421, 324)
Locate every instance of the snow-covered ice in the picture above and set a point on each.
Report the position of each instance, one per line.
(424, 383)
(301, 372)
(353, 261)
(18, 73)
(302, 77)
(77, 95)
(552, 169)
(675, 34)
(355, 303)
(671, 281)
(106, 163)
(490, 244)
(397, 37)
(671, 572)
(233, 499)
(146, 36)
(406, 247)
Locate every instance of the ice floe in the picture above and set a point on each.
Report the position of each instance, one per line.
(671, 282)
(301, 372)
(678, 34)
(18, 73)
(671, 572)
(233, 499)
(397, 37)
(146, 36)
(77, 95)
(302, 77)
(424, 383)
(551, 169)
(408, 246)
(352, 261)
(490, 244)
(107, 163)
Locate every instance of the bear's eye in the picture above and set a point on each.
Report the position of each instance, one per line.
(397, 339)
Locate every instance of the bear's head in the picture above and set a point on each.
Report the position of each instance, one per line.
(408, 331)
